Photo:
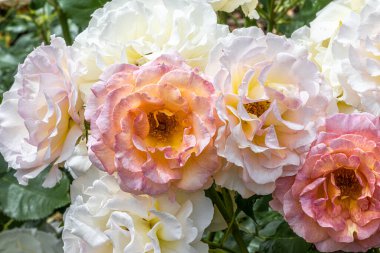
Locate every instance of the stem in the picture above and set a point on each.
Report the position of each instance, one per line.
(63, 21)
(213, 194)
(6, 226)
(216, 245)
(229, 229)
(271, 16)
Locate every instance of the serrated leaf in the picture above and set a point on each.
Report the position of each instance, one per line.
(285, 240)
(30, 241)
(31, 202)
(80, 11)
(270, 229)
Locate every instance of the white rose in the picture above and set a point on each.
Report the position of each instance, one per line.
(357, 49)
(272, 99)
(320, 36)
(79, 162)
(105, 219)
(248, 6)
(137, 31)
(39, 120)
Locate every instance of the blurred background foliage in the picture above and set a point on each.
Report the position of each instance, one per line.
(22, 28)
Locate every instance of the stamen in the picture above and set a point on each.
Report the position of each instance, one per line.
(257, 108)
(348, 183)
(161, 125)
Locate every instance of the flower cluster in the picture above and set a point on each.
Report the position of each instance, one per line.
(146, 118)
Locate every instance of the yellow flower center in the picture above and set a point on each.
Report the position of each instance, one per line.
(162, 124)
(257, 108)
(348, 183)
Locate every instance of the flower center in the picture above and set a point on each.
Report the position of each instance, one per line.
(257, 108)
(348, 183)
(162, 124)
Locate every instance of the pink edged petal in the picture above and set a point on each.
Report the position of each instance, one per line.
(102, 156)
(52, 178)
(158, 171)
(198, 170)
(230, 177)
(356, 123)
(136, 183)
(259, 173)
(301, 224)
(329, 245)
(283, 185)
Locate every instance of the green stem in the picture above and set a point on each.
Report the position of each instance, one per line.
(270, 24)
(6, 226)
(229, 229)
(213, 194)
(216, 245)
(63, 22)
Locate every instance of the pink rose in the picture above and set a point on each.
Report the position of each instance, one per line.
(153, 125)
(40, 115)
(334, 200)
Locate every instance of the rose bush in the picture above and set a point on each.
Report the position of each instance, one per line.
(333, 201)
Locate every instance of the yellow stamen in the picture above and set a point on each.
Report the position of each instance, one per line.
(257, 108)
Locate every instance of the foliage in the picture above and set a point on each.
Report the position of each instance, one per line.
(259, 228)
(31, 202)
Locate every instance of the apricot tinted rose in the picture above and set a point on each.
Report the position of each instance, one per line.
(334, 200)
(154, 126)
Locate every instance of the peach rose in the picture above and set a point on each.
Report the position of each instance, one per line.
(334, 200)
(153, 125)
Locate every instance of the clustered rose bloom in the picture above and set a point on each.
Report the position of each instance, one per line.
(248, 6)
(176, 102)
(39, 115)
(320, 39)
(154, 125)
(357, 51)
(272, 99)
(155, 27)
(104, 219)
(334, 199)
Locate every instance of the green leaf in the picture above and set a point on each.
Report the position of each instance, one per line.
(303, 16)
(246, 205)
(31, 202)
(29, 240)
(80, 11)
(285, 240)
(3, 165)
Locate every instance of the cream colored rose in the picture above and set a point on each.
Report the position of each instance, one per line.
(356, 49)
(319, 38)
(272, 99)
(39, 115)
(104, 219)
(248, 6)
(138, 31)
